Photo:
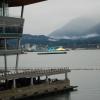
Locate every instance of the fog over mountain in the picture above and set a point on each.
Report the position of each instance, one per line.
(83, 27)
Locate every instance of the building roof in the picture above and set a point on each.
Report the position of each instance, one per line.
(14, 3)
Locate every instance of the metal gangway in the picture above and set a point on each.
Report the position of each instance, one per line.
(35, 72)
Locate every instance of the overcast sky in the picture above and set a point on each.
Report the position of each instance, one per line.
(47, 16)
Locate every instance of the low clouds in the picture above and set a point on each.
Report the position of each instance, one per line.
(47, 16)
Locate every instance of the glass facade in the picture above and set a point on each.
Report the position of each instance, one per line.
(1, 9)
(9, 26)
(11, 29)
(4, 8)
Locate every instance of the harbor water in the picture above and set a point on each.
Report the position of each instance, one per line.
(87, 80)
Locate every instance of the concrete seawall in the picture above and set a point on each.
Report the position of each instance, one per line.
(36, 90)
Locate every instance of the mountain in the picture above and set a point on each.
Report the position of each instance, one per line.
(86, 42)
(36, 39)
(95, 29)
(78, 28)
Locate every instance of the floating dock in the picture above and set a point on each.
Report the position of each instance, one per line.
(54, 52)
(27, 83)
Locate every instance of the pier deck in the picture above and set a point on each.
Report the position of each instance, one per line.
(35, 90)
(35, 87)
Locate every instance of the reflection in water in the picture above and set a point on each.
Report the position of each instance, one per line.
(59, 96)
(67, 96)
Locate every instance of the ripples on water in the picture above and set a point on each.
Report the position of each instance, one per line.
(88, 81)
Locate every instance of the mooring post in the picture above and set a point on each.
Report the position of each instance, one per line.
(46, 78)
(14, 83)
(31, 80)
(66, 75)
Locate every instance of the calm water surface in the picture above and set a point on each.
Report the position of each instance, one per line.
(88, 81)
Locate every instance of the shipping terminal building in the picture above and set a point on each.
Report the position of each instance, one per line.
(24, 82)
